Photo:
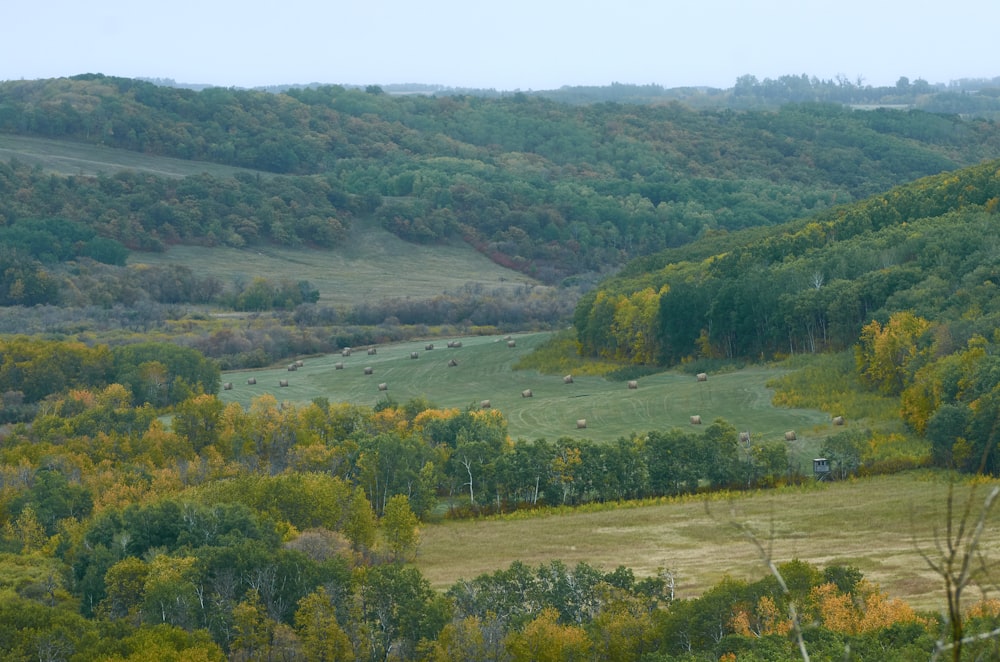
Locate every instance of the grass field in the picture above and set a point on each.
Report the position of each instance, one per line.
(878, 525)
(73, 158)
(662, 401)
(372, 265)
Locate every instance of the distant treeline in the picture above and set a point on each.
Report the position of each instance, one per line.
(549, 188)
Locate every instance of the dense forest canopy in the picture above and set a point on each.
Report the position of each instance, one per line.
(144, 517)
(545, 187)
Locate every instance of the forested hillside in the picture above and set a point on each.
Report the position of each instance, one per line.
(548, 188)
(905, 280)
(143, 517)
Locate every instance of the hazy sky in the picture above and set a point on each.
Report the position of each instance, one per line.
(506, 45)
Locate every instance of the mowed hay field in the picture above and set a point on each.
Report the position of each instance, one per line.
(662, 401)
(879, 525)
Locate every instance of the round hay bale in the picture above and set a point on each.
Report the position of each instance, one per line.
(228, 386)
(790, 435)
(383, 387)
(414, 355)
(372, 351)
(511, 343)
(369, 370)
(568, 379)
(299, 363)
(283, 383)
(292, 367)
(451, 343)
(581, 423)
(838, 420)
(457, 343)
(526, 393)
(346, 351)
(485, 404)
(696, 420)
(429, 346)
(338, 366)
(633, 384)
(251, 380)
(507, 337)
(452, 363)
(702, 377)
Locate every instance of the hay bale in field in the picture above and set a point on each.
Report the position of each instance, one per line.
(526, 393)
(372, 351)
(338, 366)
(484, 404)
(452, 363)
(455, 343)
(568, 379)
(581, 423)
(414, 355)
(696, 420)
(383, 387)
(292, 367)
(228, 386)
(790, 435)
(299, 363)
(283, 383)
(369, 370)
(251, 380)
(511, 343)
(838, 420)
(633, 384)
(429, 346)
(507, 337)
(702, 377)
(346, 351)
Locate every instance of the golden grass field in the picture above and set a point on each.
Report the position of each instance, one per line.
(879, 525)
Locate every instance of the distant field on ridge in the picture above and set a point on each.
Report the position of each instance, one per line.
(74, 158)
(370, 266)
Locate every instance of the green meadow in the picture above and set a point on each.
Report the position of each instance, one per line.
(484, 372)
(370, 266)
(72, 158)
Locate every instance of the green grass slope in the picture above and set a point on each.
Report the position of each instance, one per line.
(67, 157)
(370, 266)
(662, 401)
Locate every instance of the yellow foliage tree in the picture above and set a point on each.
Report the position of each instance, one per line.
(545, 640)
(884, 355)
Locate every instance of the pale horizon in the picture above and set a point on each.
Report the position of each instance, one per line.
(517, 46)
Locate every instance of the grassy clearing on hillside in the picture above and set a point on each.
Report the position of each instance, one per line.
(72, 158)
(370, 266)
(484, 372)
(878, 525)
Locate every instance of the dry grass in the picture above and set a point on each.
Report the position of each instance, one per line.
(370, 266)
(878, 525)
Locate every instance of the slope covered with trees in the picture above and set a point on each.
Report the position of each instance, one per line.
(905, 280)
(546, 187)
